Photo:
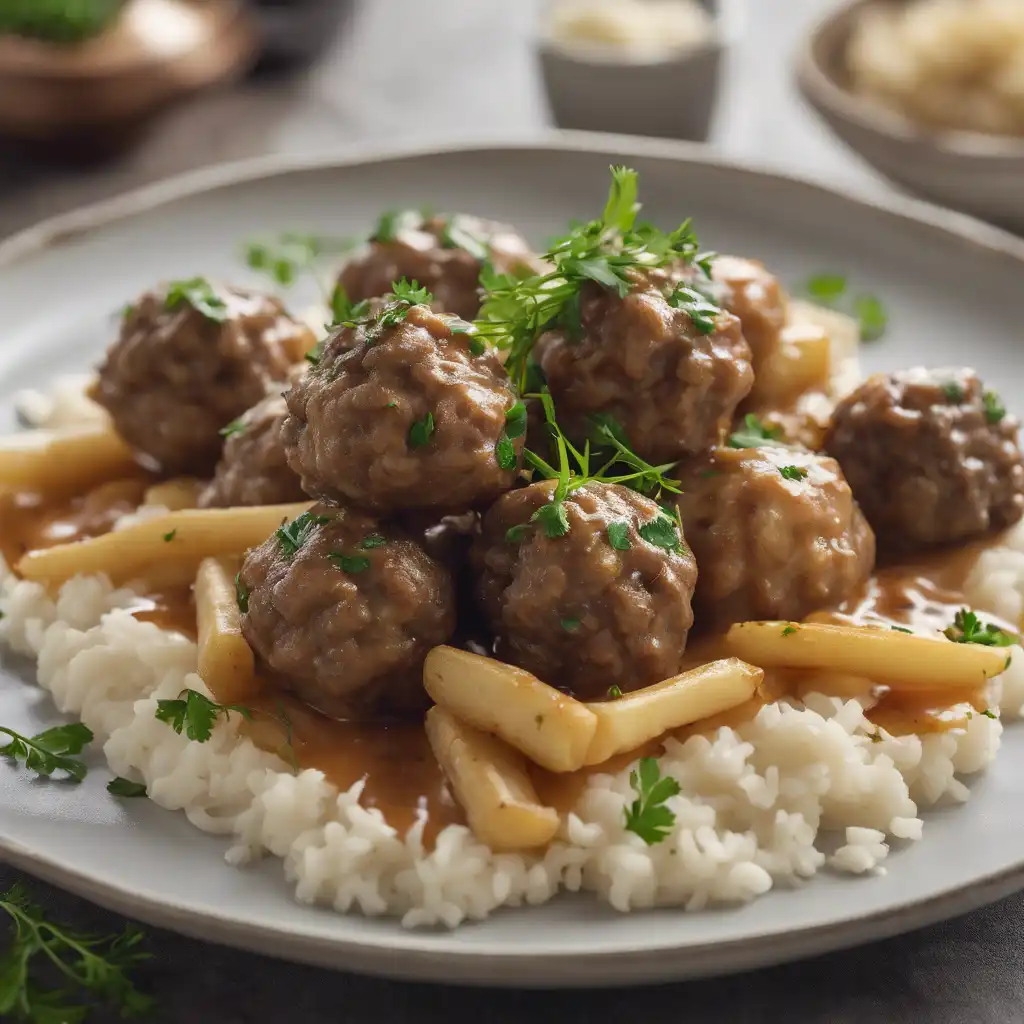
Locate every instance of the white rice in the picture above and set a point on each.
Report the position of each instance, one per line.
(754, 800)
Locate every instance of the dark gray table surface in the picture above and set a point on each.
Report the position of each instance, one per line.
(426, 70)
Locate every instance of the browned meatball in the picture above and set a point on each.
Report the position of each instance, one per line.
(672, 387)
(932, 458)
(444, 254)
(775, 531)
(252, 468)
(607, 604)
(403, 417)
(190, 358)
(748, 291)
(343, 610)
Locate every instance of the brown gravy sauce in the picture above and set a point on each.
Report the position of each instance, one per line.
(402, 777)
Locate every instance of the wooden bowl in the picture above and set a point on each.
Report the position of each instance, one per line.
(969, 171)
(157, 52)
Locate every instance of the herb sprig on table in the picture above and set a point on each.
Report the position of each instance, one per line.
(93, 970)
(50, 751)
(606, 251)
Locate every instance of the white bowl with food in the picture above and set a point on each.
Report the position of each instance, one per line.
(714, 618)
(931, 93)
(646, 67)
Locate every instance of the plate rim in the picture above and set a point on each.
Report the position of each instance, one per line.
(483, 965)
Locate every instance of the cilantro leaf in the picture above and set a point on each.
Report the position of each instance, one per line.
(515, 420)
(827, 289)
(292, 536)
(198, 293)
(195, 714)
(553, 519)
(754, 434)
(349, 563)
(618, 535)
(662, 532)
(125, 787)
(872, 316)
(233, 429)
(411, 293)
(93, 969)
(343, 309)
(51, 750)
(793, 472)
(697, 306)
(421, 431)
(995, 411)
(515, 427)
(967, 628)
(648, 816)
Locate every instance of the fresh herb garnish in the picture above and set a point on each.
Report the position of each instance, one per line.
(570, 625)
(456, 235)
(515, 427)
(614, 692)
(233, 429)
(290, 255)
(793, 472)
(404, 295)
(901, 629)
(789, 630)
(701, 310)
(995, 411)
(348, 563)
(618, 535)
(608, 251)
(125, 787)
(648, 816)
(51, 750)
(989, 713)
(292, 536)
(93, 969)
(967, 628)
(343, 309)
(421, 431)
(953, 392)
(241, 594)
(374, 540)
(755, 434)
(392, 223)
(827, 289)
(168, 537)
(195, 714)
(664, 531)
(831, 290)
(200, 295)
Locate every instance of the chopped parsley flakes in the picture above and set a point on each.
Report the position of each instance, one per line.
(349, 563)
(233, 429)
(241, 594)
(755, 434)
(292, 536)
(967, 628)
(995, 411)
(421, 431)
(793, 472)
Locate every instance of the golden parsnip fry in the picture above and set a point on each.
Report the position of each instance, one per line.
(549, 727)
(904, 661)
(181, 492)
(73, 459)
(178, 539)
(629, 722)
(226, 662)
(491, 784)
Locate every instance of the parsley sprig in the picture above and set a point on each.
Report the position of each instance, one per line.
(607, 251)
(649, 816)
(198, 293)
(50, 751)
(195, 714)
(93, 969)
(574, 471)
(293, 536)
(967, 628)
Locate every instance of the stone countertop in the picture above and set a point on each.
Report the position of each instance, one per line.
(381, 79)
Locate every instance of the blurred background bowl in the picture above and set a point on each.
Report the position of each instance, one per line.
(609, 89)
(969, 171)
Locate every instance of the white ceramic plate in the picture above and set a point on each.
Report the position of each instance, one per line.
(955, 290)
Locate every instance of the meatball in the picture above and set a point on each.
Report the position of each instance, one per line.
(253, 469)
(776, 533)
(189, 359)
(402, 416)
(342, 610)
(606, 604)
(672, 387)
(932, 458)
(749, 292)
(444, 254)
